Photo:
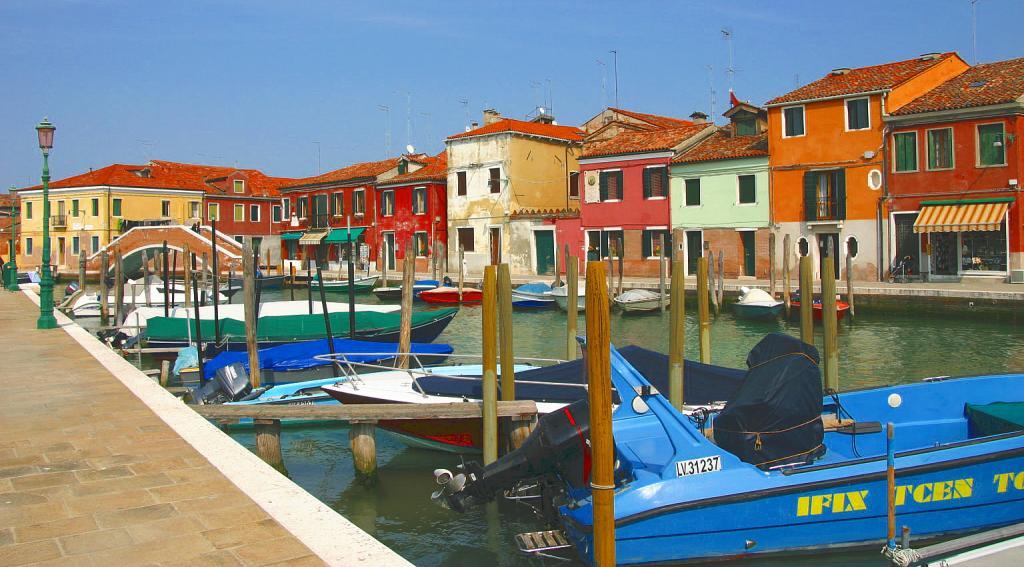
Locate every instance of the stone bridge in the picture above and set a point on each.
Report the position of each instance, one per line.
(140, 239)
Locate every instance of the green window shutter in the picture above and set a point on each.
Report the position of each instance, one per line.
(645, 246)
(692, 192)
(664, 182)
(906, 151)
(95, 207)
(988, 152)
(604, 244)
(604, 186)
(840, 199)
(748, 191)
(647, 184)
(810, 195)
(331, 202)
(117, 207)
(618, 185)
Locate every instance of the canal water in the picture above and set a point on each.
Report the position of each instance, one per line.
(878, 348)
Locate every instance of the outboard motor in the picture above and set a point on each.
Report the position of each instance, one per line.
(70, 289)
(559, 446)
(229, 384)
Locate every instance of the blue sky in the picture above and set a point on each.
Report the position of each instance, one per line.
(257, 83)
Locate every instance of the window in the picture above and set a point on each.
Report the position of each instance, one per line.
(611, 243)
(387, 203)
(302, 207)
(338, 204)
(466, 239)
(239, 238)
(611, 185)
(655, 182)
(651, 247)
(746, 127)
(254, 213)
(359, 202)
(95, 244)
(793, 121)
(239, 213)
(213, 212)
(193, 209)
(286, 206)
(95, 207)
(905, 144)
(74, 208)
(419, 201)
(857, 114)
(76, 245)
(275, 211)
(116, 206)
(494, 181)
(990, 145)
(28, 246)
(693, 192)
(940, 148)
(165, 208)
(403, 167)
(825, 195)
(748, 189)
(574, 185)
(28, 210)
(419, 242)
(239, 185)
(460, 181)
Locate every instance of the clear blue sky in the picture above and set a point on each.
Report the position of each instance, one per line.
(255, 83)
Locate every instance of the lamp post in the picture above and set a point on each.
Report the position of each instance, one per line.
(46, 319)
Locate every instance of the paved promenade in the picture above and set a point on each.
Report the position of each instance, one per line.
(91, 475)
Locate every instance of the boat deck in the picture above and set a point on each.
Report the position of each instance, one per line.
(91, 475)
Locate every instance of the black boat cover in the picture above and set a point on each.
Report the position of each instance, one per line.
(775, 417)
(561, 383)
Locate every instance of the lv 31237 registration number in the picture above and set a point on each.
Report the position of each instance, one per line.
(699, 466)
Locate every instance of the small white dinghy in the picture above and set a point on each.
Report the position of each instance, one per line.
(757, 303)
(561, 297)
(638, 300)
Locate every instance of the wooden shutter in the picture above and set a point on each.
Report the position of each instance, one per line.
(810, 195)
(331, 205)
(663, 178)
(461, 178)
(645, 246)
(840, 196)
(647, 183)
(604, 186)
(618, 185)
(574, 184)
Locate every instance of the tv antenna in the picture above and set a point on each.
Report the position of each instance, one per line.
(974, 29)
(465, 108)
(387, 128)
(727, 35)
(711, 90)
(604, 83)
(615, 55)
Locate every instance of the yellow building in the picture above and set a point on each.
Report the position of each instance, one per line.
(88, 211)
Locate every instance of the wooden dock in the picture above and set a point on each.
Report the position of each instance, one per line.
(99, 466)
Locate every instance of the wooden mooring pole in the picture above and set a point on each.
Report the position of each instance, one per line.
(405, 322)
(602, 479)
(508, 375)
(362, 437)
(186, 260)
(268, 437)
(712, 281)
(104, 291)
(703, 310)
(787, 252)
(118, 287)
(165, 260)
(621, 258)
(661, 274)
(249, 298)
(677, 336)
(806, 300)
(572, 307)
(490, 374)
(81, 270)
(721, 280)
(462, 271)
(849, 282)
(291, 286)
(204, 275)
(147, 291)
(198, 322)
(829, 320)
(771, 264)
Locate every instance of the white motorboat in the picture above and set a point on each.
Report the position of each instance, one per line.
(638, 300)
(88, 305)
(757, 303)
(561, 297)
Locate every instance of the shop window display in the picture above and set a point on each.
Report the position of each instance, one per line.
(983, 251)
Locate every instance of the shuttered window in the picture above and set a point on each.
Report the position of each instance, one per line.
(419, 201)
(338, 204)
(387, 203)
(574, 185)
(655, 182)
(825, 195)
(359, 202)
(611, 243)
(495, 180)
(793, 119)
(857, 117)
(747, 189)
(905, 144)
(460, 178)
(611, 186)
(651, 246)
(693, 192)
(940, 148)
(990, 145)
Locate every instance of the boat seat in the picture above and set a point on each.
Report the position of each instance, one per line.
(849, 426)
(995, 418)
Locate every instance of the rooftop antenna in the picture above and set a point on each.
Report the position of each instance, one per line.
(387, 128)
(537, 101)
(615, 54)
(604, 83)
(465, 107)
(317, 144)
(408, 119)
(711, 90)
(147, 147)
(727, 35)
(974, 29)
(550, 101)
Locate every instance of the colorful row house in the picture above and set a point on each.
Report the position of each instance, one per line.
(827, 157)
(954, 164)
(414, 209)
(509, 188)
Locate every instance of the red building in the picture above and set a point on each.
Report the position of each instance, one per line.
(315, 207)
(954, 161)
(414, 208)
(626, 193)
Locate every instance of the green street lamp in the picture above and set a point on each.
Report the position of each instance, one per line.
(12, 265)
(46, 319)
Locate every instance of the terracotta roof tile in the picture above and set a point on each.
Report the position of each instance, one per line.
(654, 119)
(349, 173)
(645, 141)
(982, 85)
(569, 133)
(721, 145)
(436, 169)
(861, 80)
(216, 178)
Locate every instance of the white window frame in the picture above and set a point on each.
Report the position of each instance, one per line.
(195, 209)
(614, 229)
(165, 205)
(803, 112)
(338, 198)
(279, 210)
(700, 193)
(383, 199)
(258, 213)
(663, 197)
(427, 237)
(235, 215)
(977, 144)
(92, 201)
(425, 193)
(917, 152)
(213, 211)
(29, 248)
(651, 229)
(622, 190)
(363, 211)
(738, 203)
(846, 114)
(952, 147)
(286, 205)
(238, 186)
(94, 242)
(114, 200)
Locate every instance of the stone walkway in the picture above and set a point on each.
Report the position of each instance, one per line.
(89, 475)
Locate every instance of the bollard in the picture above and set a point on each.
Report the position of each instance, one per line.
(165, 372)
(508, 373)
(703, 311)
(490, 374)
(268, 441)
(598, 361)
(677, 336)
(806, 300)
(363, 441)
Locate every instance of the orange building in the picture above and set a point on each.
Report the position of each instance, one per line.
(826, 158)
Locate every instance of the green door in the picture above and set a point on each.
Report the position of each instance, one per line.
(694, 246)
(749, 258)
(545, 244)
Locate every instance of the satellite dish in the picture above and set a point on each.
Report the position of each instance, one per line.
(409, 149)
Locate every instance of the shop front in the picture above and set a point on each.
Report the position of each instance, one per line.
(959, 238)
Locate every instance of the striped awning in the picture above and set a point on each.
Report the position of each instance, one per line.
(312, 237)
(961, 217)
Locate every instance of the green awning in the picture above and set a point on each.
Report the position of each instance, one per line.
(340, 235)
(291, 236)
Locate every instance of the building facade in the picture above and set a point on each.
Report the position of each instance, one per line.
(954, 178)
(826, 159)
(414, 208)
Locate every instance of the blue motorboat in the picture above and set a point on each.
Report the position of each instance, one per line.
(789, 471)
(532, 296)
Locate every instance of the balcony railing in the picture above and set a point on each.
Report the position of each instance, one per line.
(59, 221)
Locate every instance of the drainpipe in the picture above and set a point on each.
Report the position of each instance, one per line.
(883, 247)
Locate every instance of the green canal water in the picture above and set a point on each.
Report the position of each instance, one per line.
(878, 348)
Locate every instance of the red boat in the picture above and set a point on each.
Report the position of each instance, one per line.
(841, 308)
(445, 294)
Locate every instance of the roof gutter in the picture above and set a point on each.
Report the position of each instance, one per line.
(824, 98)
(924, 117)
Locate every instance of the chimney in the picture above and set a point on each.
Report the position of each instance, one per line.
(841, 71)
(929, 56)
(474, 125)
(491, 116)
(699, 117)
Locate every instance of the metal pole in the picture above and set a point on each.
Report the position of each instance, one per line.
(602, 480)
(46, 319)
(327, 315)
(351, 284)
(199, 332)
(216, 280)
(890, 478)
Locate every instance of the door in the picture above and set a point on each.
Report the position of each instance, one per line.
(389, 249)
(61, 243)
(694, 248)
(495, 245)
(320, 219)
(823, 242)
(544, 242)
(908, 243)
(749, 256)
(944, 253)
